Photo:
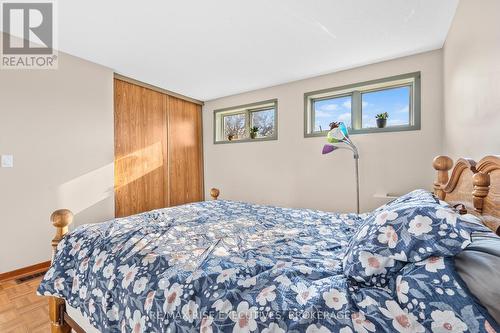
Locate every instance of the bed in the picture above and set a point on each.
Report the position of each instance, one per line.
(219, 266)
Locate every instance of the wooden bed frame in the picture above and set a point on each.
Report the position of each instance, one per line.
(473, 187)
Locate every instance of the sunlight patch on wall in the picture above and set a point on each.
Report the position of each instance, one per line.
(87, 190)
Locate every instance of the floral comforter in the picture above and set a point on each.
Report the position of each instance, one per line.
(223, 266)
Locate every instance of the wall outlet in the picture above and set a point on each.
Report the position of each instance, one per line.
(7, 161)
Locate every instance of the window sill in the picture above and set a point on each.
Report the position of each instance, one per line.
(368, 131)
(271, 138)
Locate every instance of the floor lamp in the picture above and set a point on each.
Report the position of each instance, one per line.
(338, 134)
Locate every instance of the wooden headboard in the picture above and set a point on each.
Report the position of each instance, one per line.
(475, 185)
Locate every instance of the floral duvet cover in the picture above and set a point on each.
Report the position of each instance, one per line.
(223, 266)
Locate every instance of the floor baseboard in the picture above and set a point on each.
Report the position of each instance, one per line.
(29, 270)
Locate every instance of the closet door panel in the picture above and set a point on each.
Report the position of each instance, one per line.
(140, 149)
(185, 154)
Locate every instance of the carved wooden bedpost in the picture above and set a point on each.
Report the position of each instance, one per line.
(61, 219)
(481, 182)
(214, 193)
(442, 164)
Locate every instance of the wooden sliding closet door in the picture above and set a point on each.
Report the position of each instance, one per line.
(185, 154)
(158, 149)
(141, 180)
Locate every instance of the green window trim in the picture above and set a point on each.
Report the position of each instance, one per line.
(247, 110)
(356, 91)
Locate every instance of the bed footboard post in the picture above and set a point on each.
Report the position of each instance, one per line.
(442, 164)
(214, 193)
(60, 219)
(481, 182)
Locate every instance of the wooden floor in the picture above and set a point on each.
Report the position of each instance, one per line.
(21, 310)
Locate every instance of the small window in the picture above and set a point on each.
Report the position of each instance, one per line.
(244, 123)
(235, 125)
(264, 121)
(396, 99)
(330, 109)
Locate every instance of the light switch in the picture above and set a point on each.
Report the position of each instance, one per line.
(7, 161)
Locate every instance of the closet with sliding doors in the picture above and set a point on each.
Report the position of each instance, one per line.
(158, 148)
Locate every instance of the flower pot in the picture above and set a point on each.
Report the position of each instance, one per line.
(253, 135)
(381, 123)
(230, 137)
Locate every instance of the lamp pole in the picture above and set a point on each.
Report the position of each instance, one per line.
(356, 162)
(338, 134)
(356, 158)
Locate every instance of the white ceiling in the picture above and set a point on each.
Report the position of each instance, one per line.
(208, 49)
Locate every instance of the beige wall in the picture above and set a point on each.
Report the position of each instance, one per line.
(292, 172)
(472, 81)
(58, 124)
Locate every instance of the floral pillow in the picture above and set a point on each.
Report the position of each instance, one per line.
(410, 229)
(452, 307)
(411, 197)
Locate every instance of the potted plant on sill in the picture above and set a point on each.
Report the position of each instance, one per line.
(253, 132)
(382, 119)
(230, 136)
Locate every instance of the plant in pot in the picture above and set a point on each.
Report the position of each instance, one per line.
(230, 136)
(382, 119)
(253, 132)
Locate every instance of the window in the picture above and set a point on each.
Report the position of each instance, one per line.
(395, 101)
(237, 124)
(264, 121)
(358, 105)
(329, 109)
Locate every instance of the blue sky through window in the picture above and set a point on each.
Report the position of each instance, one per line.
(332, 109)
(394, 101)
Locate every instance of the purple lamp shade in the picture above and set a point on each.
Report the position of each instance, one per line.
(328, 149)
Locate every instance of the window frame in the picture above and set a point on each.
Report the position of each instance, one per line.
(356, 92)
(247, 110)
(236, 113)
(313, 108)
